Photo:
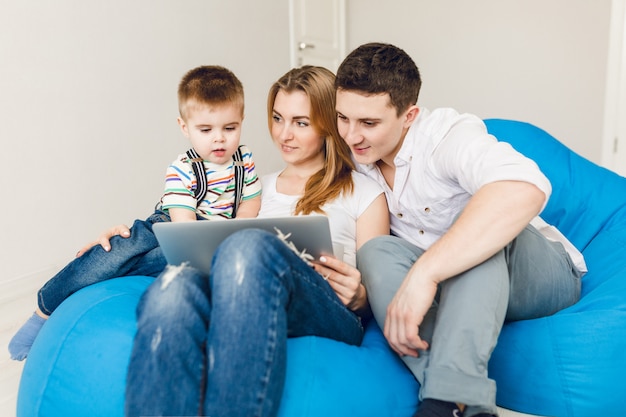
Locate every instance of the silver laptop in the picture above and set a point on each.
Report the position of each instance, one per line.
(196, 242)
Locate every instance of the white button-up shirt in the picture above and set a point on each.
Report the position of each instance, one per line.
(444, 159)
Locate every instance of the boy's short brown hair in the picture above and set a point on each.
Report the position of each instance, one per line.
(379, 68)
(209, 85)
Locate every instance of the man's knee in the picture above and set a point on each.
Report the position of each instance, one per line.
(376, 246)
(374, 255)
(380, 259)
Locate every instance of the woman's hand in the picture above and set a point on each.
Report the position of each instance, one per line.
(345, 280)
(103, 239)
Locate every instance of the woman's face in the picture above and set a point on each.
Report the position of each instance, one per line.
(297, 140)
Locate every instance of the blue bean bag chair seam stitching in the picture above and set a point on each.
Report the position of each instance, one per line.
(614, 235)
(604, 229)
(616, 239)
(567, 391)
(312, 381)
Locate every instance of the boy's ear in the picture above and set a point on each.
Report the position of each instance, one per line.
(183, 126)
(411, 115)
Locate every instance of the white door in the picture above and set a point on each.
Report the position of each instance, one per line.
(614, 141)
(619, 160)
(317, 32)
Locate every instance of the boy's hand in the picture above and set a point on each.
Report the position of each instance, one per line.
(103, 239)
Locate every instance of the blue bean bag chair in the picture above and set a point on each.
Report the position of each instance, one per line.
(77, 366)
(572, 363)
(568, 364)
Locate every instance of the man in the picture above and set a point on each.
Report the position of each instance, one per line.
(463, 258)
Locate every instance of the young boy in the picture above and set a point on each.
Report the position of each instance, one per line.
(211, 106)
(463, 258)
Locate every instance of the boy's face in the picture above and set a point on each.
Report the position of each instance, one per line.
(370, 126)
(214, 131)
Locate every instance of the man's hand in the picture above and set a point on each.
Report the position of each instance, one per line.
(405, 314)
(493, 217)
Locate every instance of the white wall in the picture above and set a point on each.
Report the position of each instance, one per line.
(88, 108)
(88, 92)
(538, 61)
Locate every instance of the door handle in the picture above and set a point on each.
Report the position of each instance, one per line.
(303, 45)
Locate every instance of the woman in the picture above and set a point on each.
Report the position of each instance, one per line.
(217, 345)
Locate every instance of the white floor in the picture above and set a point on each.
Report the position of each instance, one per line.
(508, 413)
(17, 302)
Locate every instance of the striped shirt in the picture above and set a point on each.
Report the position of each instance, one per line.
(180, 186)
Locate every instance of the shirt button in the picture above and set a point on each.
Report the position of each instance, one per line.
(399, 215)
(421, 232)
(427, 210)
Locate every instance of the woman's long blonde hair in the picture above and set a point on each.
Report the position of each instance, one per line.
(328, 183)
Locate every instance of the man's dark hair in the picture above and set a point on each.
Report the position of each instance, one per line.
(379, 68)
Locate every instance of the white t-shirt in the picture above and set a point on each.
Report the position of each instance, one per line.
(342, 212)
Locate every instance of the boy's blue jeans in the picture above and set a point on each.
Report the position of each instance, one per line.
(138, 254)
(530, 278)
(217, 345)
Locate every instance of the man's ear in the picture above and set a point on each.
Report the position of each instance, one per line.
(411, 115)
(183, 126)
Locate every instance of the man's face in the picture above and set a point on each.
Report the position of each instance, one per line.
(370, 126)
